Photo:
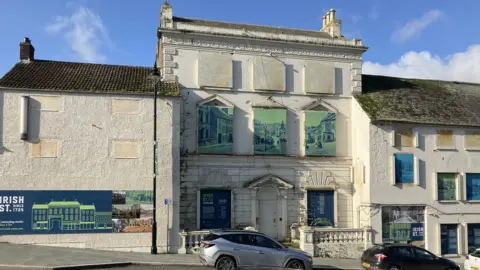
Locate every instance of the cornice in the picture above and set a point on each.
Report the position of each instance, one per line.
(259, 49)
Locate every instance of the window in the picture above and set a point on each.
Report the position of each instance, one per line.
(320, 208)
(449, 239)
(476, 254)
(473, 231)
(473, 186)
(472, 139)
(404, 164)
(423, 254)
(215, 133)
(320, 133)
(404, 251)
(404, 138)
(265, 242)
(445, 139)
(446, 186)
(270, 134)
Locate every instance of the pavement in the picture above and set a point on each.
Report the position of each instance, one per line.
(20, 257)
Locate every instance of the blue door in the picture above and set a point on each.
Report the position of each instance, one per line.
(320, 208)
(215, 206)
(449, 239)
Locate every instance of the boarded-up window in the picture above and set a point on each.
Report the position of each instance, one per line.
(44, 149)
(125, 149)
(445, 139)
(319, 77)
(472, 139)
(268, 74)
(404, 138)
(215, 70)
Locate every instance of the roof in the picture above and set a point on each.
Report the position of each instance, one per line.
(390, 99)
(84, 77)
(252, 27)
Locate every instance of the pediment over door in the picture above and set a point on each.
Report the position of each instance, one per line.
(267, 180)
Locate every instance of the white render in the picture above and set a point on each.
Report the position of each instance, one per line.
(92, 142)
(244, 71)
(379, 188)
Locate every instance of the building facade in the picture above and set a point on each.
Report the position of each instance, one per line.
(422, 178)
(266, 123)
(76, 155)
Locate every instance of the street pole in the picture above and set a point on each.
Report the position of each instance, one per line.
(156, 77)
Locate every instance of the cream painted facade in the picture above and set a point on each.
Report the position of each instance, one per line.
(222, 66)
(81, 141)
(430, 159)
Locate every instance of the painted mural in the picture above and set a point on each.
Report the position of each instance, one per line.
(402, 224)
(320, 133)
(270, 137)
(215, 130)
(132, 211)
(55, 212)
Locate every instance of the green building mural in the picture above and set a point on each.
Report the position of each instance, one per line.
(69, 216)
(215, 130)
(270, 137)
(320, 133)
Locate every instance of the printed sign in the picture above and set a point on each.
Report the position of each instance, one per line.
(55, 212)
(132, 211)
(417, 231)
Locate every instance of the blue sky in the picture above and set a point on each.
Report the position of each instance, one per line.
(426, 39)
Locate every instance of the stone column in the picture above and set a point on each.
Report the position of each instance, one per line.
(306, 240)
(253, 198)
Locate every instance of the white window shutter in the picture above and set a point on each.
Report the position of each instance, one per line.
(435, 186)
(391, 168)
(416, 178)
(392, 138)
(416, 138)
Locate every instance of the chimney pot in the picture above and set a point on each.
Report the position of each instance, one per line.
(27, 51)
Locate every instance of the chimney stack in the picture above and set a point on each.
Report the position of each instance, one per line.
(166, 16)
(27, 51)
(332, 25)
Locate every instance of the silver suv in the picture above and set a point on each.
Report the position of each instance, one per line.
(231, 249)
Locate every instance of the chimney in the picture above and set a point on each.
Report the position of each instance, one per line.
(332, 25)
(27, 51)
(166, 16)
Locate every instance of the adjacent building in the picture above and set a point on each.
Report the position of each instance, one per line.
(85, 130)
(420, 142)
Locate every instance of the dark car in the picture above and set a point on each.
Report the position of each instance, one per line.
(404, 256)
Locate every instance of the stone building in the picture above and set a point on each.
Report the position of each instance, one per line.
(421, 181)
(76, 128)
(275, 83)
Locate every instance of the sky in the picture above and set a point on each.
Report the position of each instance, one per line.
(432, 39)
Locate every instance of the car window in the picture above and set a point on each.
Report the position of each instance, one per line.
(476, 254)
(265, 242)
(210, 237)
(404, 251)
(423, 254)
(243, 239)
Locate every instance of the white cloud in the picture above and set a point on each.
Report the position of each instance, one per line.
(84, 32)
(461, 66)
(414, 28)
(373, 14)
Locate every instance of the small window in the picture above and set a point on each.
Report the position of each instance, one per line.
(404, 168)
(404, 138)
(447, 187)
(445, 139)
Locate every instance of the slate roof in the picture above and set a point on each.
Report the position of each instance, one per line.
(252, 27)
(389, 99)
(84, 77)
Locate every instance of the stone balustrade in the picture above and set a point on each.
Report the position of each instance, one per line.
(190, 241)
(335, 242)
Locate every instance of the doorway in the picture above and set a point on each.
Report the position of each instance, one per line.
(268, 211)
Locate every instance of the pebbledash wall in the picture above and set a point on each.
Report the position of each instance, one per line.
(220, 70)
(459, 158)
(80, 141)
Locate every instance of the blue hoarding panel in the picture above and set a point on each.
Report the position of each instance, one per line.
(417, 232)
(320, 205)
(449, 238)
(404, 168)
(55, 212)
(215, 209)
(473, 186)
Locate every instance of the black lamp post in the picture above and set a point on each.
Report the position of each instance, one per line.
(155, 76)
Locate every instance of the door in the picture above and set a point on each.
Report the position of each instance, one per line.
(449, 239)
(267, 202)
(215, 209)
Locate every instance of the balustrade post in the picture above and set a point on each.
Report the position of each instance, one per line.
(182, 249)
(307, 240)
(367, 237)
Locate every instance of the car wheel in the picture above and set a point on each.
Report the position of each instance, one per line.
(295, 264)
(225, 263)
(394, 267)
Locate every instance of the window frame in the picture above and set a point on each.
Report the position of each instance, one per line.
(467, 185)
(414, 171)
(437, 185)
